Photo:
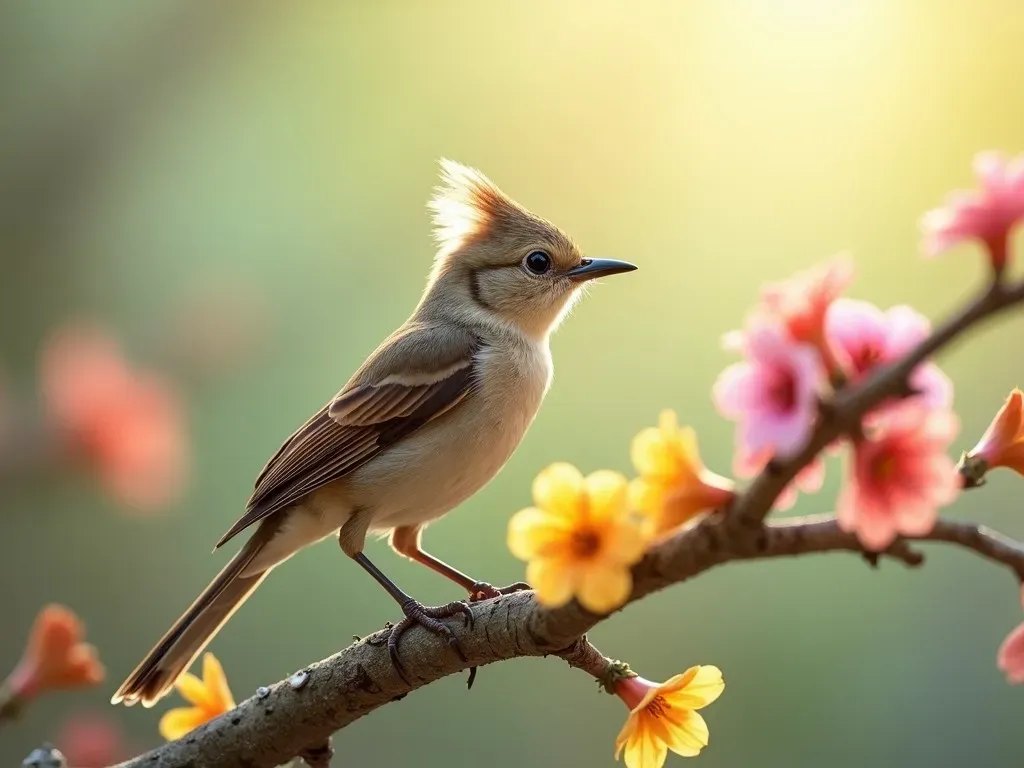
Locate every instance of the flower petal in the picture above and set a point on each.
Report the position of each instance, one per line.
(1010, 658)
(558, 489)
(648, 453)
(532, 532)
(604, 587)
(643, 748)
(217, 684)
(553, 579)
(607, 495)
(625, 542)
(703, 687)
(194, 690)
(175, 723)
(687, 736)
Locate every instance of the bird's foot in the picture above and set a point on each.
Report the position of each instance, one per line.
(484, 591)
(428, 618)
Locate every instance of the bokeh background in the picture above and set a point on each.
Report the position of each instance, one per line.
(234, 194)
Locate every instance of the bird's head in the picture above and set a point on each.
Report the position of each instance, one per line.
(499, 260)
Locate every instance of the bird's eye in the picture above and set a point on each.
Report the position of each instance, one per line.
(538, 262)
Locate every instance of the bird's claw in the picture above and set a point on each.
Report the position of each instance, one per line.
(428, 618)
(484, 591)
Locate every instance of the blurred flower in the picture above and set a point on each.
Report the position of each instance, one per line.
(1010, 657)
(808, 480)
(1002, 445)
(580, 539)
(899, 476)
(55, 657)
(674, 485)
(128, 424)
(801, 302)
(773, 394)
(663, 716)
(90, 740)
(864, 337)
(210, 697)
(988, 214)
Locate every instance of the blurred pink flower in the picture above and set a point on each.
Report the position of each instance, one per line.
(772, 395)
(1010, 657)
(863, 337)
(801, 302)
(128, 424)
(988, 214)
(91, 740)
(899, 476)
(807, 480)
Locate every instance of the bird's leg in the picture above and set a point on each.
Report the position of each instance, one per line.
(406, 541)
(416, 613)
(351, 537)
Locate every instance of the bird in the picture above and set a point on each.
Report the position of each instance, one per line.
(428, 419)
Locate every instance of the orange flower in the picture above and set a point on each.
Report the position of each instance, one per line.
(55, 657)
(580, 540)
(1002, 445)
(127, 424)
(674, 485)
(664, 716)
(211, 697)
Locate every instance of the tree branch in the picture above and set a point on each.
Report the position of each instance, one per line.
(270, 728)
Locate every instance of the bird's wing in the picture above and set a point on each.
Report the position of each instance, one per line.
(415, 376)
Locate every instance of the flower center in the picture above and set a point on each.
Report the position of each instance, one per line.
(658, 707)
(884, 467)
(584, 543)
(782, 391)
(866, 358)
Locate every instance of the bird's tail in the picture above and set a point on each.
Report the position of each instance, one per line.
(183, 642)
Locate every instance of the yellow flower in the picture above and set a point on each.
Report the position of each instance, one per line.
(664, 717)
(210, 698)
(674, 485)
(580, 539)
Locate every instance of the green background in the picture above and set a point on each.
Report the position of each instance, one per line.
(287, 150)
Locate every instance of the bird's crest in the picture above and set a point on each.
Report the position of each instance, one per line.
(465, 205)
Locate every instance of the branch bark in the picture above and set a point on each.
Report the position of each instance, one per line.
(270, 728)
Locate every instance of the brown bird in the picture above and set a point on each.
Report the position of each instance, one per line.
(428, 420)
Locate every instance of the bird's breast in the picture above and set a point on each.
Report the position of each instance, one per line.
(448, 460)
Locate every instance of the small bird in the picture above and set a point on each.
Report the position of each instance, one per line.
(427, 421)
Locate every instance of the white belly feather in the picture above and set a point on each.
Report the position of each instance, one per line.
(437, 468)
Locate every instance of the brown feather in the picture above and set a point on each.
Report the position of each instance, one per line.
(373, 411)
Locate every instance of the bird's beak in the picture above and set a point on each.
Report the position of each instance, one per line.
(591, 268)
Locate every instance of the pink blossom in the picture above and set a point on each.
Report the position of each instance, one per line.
(127, 424)
(807, 480)
(988, 214)
(1010, 658)
(801, 302)
(899, 476)
(864, 337)
(772, 395)
(92, 740)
